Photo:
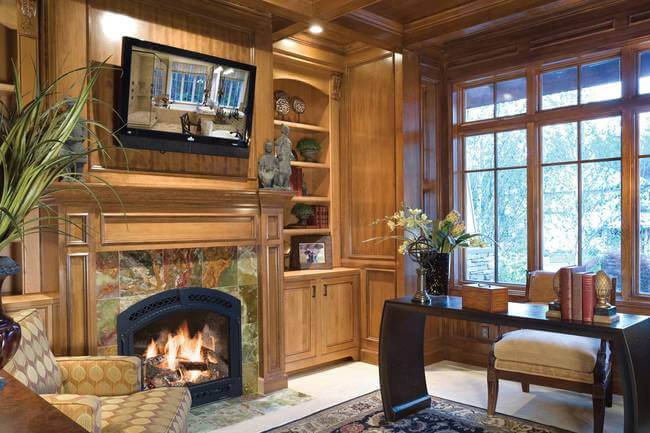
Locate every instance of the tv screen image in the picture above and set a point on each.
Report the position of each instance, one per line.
(181, 101)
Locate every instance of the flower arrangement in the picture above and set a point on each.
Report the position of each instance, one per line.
(421, 236)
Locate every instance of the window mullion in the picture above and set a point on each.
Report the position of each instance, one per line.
(579, 191)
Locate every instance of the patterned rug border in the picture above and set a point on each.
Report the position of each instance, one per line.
(369, 394)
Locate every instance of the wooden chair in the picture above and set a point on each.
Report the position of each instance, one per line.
(561, 361)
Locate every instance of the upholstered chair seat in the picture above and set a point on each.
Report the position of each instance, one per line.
(103, 394)
(548, 354)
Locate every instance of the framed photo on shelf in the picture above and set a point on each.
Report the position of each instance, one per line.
(311, 252)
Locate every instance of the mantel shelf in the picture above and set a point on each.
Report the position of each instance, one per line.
(310, 199)
(298, 232)
(305, 164)
(301, 126)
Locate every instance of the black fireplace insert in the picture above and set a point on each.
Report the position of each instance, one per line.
(186, 337)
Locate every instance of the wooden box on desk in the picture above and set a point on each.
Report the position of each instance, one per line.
(484, 297)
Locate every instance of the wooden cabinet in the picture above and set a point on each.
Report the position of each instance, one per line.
(300, 320)
(321, 317)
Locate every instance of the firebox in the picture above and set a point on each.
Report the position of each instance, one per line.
(186, 337)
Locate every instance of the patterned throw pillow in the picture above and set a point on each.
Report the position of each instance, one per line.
(33, 364)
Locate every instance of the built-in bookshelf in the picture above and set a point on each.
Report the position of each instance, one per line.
(320, 123)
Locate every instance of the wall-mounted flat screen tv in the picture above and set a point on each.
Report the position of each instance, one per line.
(175, 100)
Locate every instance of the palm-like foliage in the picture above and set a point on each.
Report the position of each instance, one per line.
(32, 136)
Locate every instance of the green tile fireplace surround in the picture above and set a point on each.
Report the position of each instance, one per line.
(126, 277)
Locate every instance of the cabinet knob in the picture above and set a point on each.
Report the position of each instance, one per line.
(313, 291)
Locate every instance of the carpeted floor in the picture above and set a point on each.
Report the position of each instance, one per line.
(364, 414)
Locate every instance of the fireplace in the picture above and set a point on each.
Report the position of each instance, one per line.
(186, 337)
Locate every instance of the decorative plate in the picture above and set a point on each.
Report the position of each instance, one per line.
(298, 105)
(282, 106)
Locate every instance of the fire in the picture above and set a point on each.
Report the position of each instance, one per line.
(189, 355)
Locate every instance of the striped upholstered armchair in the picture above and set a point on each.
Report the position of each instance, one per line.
(101, 393)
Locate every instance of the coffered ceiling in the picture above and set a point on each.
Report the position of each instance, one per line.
(412, 24)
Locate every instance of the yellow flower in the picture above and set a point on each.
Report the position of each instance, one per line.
(453, 216)
(402, 248)
(391, 226)
(458, 230)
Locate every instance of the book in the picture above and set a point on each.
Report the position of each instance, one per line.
(295, 180)
(565, 293)
(576, 295)
(320, 218)
(588, 297)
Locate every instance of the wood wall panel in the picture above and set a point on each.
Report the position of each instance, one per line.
(370, 155)
(111, 20)
(380, 286)
(78, 324)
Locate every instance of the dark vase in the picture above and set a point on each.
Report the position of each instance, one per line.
(437, 267)
(9, 330)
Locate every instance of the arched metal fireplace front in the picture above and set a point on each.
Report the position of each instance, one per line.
(200, 328)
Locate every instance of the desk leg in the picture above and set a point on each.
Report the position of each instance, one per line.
(401, 362)
(632, 355)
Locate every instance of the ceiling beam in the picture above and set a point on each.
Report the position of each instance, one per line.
(289, 30)
(382, 23)
(483, 15)
(304, 14)
(329, 10)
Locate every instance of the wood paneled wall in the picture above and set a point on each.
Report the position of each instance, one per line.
(371, 167)
(81, 32)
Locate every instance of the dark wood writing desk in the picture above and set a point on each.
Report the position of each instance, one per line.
(401, 357)
(24, 411)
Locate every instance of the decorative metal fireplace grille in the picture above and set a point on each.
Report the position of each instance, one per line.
(186, 337)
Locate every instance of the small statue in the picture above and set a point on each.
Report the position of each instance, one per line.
(75, 143)
(285, 156)
(268, 166)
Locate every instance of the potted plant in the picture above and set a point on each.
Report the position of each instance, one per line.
(34, 157)
(309, 149)
(429, 244)
(303, 212)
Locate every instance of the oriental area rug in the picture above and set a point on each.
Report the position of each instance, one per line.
(364, 414)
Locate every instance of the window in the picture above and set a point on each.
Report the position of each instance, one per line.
(496, 205)
(500, 99)
(644, 72)
(598, 81)
(644, 202)
(581, 194)
(188, 82)
(232, 93)
(549, 186)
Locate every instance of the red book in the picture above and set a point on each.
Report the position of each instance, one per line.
(588, 297)
(565, 292)
(295, 180)
(576, 295)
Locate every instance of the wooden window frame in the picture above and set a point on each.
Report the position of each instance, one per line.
(628, 107)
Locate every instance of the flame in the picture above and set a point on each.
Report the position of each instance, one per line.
(152, 350)
(181, 346)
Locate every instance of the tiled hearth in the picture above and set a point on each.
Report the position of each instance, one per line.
(126, 277)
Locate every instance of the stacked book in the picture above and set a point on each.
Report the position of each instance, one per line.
(320, 219)
(577, 296)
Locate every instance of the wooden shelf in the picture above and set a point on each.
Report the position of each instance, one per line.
(310, 199)
(311, 273)
(301, 126)
(316, 165)
(298, 232)
(7, 87)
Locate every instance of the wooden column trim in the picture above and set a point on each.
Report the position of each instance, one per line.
(272, 373)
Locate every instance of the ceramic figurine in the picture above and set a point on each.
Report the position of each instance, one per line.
(285, 156)
(268, 166)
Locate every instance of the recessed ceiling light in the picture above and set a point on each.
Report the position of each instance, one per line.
(315, 29)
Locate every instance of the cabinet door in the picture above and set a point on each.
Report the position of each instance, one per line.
(339, 314)
(300, 320)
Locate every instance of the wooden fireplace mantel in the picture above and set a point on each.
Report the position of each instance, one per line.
(127, 217)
